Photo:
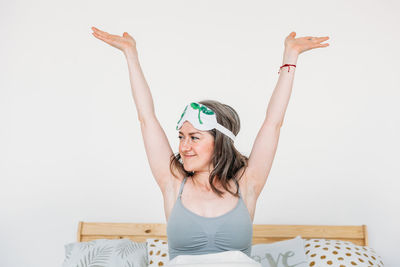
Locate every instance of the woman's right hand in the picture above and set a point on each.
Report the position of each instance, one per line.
(123, 43)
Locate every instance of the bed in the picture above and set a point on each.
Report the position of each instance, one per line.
(262, 233)
(145, 244)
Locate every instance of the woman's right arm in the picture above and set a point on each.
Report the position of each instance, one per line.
(156, 144)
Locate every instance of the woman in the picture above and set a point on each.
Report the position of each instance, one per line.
(216, 210)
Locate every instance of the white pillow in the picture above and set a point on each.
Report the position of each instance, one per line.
(221, 259)
(326, 252)
(283, 253)
(157, 250)
(106, 253)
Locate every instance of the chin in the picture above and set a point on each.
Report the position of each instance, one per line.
(187, 169)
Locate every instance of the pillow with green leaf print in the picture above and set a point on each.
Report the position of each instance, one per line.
(106, 253)
(284, 253)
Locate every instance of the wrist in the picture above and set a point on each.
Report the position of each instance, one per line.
(290, 57)
(131, 51)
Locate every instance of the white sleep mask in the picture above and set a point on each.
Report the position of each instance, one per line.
(202, 118)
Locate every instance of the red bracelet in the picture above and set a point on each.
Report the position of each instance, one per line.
(286, 65)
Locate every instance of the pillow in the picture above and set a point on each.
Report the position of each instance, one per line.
(105, 253)
(157, 252)
(221, 259)
(283, 253)
(326, 252)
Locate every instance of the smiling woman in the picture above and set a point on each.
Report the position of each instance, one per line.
(214, 152)
(216, 210)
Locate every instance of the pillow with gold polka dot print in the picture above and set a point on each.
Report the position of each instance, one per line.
(338, 253)
(157, 252)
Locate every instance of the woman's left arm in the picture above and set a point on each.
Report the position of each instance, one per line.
(266, 142)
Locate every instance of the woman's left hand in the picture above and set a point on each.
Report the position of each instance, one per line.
(301, 44)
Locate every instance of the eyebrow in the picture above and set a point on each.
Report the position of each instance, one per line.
(191, 133)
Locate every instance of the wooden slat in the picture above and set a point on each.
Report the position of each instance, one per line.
(133, 238)
(266, 240)
(262, 233)
(149, 229)
(124, 229)
(365, 235)
(80, 231)
(309, 231)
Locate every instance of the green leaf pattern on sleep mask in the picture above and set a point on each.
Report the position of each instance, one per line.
(181, 117)
(201, 108)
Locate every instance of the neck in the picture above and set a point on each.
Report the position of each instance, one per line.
(201, 178)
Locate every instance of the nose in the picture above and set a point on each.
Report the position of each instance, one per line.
(186, 145)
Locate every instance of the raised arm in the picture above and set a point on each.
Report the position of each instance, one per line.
(266, 142)
(156, 144)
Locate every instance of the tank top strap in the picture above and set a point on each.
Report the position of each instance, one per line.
(181, 188)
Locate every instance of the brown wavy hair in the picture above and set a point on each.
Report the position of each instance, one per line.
(226, 159)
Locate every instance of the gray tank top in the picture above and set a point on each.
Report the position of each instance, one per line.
(191, 234)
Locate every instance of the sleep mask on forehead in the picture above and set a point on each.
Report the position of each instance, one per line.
(202, 118)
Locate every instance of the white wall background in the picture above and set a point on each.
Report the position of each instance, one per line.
(70, 142)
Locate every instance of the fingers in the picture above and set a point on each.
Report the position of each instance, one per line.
(320, 45)
(99, 32)
(104, 36)
(98, 36)
(105, 39)
(291, 35)
(321, 39)
(315, 39)
(108, 36)
(318, 39)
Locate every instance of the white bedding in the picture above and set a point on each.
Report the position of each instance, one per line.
(221, 259)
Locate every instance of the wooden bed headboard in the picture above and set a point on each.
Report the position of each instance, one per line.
(262, 233)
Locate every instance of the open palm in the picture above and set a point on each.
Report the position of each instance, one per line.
(303, 44)
(123, 42)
